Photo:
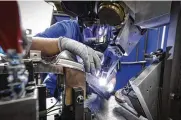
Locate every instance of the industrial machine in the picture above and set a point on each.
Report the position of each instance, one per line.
(152, 95)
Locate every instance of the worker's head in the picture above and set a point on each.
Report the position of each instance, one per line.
(98, 36)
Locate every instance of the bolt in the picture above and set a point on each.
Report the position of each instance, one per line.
(80, 99)
(62, 85)
(129, 43)
(172, 96)
(93, 116)
(35, 64)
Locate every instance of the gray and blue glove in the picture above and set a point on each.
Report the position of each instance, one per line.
(90, 57)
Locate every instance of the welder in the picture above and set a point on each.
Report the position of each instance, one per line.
(70, 29)
(65, 35)
(61, 36)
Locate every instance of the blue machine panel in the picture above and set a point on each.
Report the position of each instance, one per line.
(150, 42)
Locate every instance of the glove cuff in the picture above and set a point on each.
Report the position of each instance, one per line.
(60, 43)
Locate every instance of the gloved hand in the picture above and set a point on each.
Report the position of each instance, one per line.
(90, 57)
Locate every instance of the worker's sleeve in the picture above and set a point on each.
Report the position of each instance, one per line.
(66, 28)
(54, 31)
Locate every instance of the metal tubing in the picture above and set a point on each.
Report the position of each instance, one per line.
(135, 62)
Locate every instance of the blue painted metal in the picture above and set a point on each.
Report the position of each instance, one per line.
(152, 40)
(62, 18)
(141, 48)
(153, 43)
(128, 71)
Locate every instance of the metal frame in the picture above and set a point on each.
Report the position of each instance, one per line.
(78, 103)
(146, 89)
(171, 78)
(20, 109)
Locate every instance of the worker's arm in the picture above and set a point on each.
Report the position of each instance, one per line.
(52, 46)
(56, 38)
(47, 41)
(48, 46)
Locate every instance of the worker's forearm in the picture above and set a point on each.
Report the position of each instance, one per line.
(48, 46)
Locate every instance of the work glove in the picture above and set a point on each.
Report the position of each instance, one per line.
(90, 57)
